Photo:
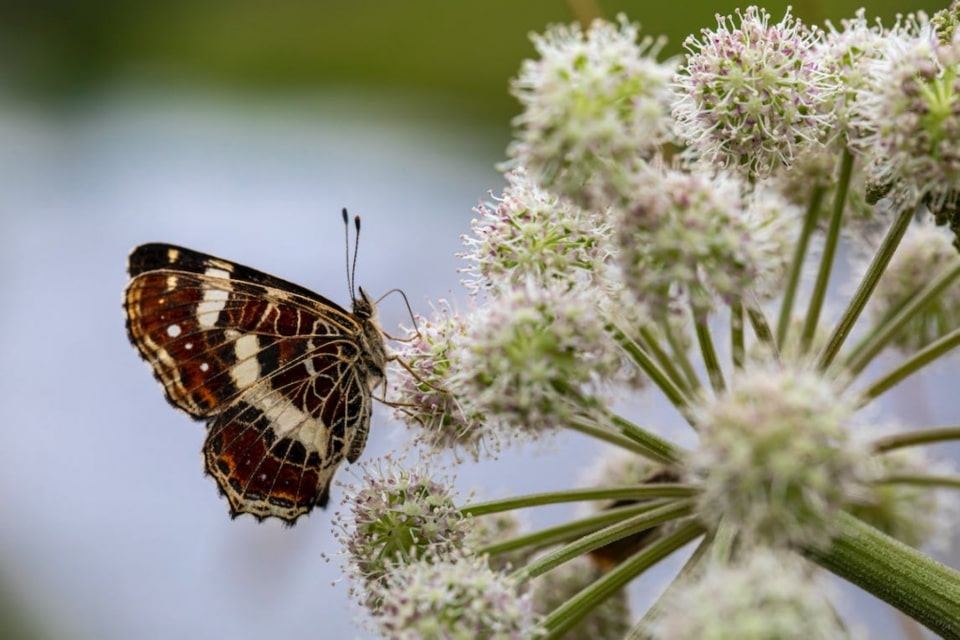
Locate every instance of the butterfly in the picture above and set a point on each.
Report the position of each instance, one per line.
(283, 377)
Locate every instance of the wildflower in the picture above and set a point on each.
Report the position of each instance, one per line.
(594, 103)
(530, 233)
(768, 594)
(397, 514)
(422, 391)
(776, 460)
(907, 119)
(534, 356)
(455, 598)
(691, 239)
(750, 97)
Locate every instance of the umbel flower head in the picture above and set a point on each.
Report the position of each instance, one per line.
(456, 597)
(776, 459)
(532, 234)
(534, 356)
(751, 95)
(692, 239)
(791, 604)
(424, 401)
(594, 104)
(907, 117)
(397, 514)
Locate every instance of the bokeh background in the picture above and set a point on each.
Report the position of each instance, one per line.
(241, 129)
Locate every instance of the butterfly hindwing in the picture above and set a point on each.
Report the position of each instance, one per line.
(283, 375)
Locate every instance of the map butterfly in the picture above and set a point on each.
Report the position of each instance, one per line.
(283, 377)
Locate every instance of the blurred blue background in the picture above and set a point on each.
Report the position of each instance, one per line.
(237, 129)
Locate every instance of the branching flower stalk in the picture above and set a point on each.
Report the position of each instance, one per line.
(650, 202)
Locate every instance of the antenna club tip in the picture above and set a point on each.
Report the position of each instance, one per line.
(346, 216)
(356, 223)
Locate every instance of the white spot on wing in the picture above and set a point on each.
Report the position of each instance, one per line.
(204, 367)
(247, 370)
(173, 330)
(214, 300)
(173, 255)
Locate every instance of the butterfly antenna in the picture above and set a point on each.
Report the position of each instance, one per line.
(346, 249)
(403, 295)
(356, 246)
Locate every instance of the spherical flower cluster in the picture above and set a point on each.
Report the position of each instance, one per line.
(776, 460)
(766, 595)
(397, 514)
(907, 118)
(530, 233)
(594, 103)
(750, 98)
(690, 239)
(452, 598)
(533, 356)
(925, 252)
(845, 54)
(422, 390)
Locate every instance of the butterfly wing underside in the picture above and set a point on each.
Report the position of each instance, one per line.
(283, 376)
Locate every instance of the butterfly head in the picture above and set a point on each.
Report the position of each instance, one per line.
(364, 307)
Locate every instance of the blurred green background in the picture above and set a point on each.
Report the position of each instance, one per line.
(458, 55)
(106, 533)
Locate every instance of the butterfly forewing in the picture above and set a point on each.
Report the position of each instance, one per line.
(283, 376)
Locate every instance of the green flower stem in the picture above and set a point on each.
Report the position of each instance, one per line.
(761, 328)
(922, 480)
(663, 379)
(917, 585)
(714, 372)
(568, 531)
(642, 522)
(890, 326)
(866, 287)
(650, 342)
(680, 356)
(657, 449)
(737, 349)
(643, 630)
(915, 437)
(588, 426)
(829, 253)
(626, 492)
(564, 617)
(911, 365)
(796, 265)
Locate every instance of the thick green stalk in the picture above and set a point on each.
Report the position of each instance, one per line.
(668, 381)
(917, 585)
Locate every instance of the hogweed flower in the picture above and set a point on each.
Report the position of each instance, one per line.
(791, 603)
(751, 95)
(907, 115)
(598, 259)
(594, 103)
(457, 597)
(397, 514)
(777, 459)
